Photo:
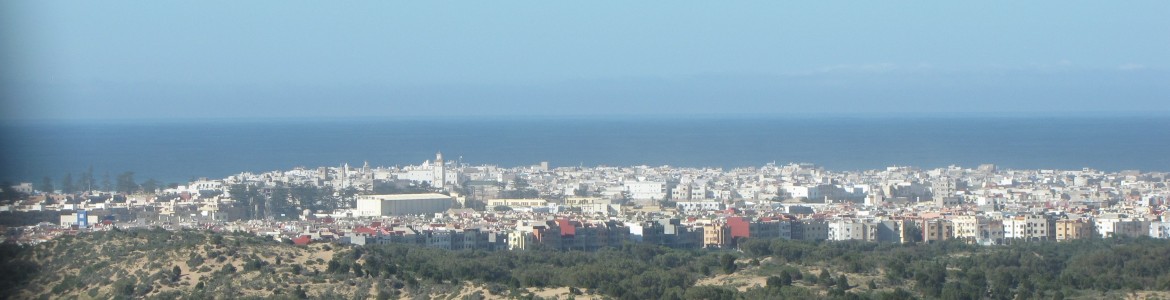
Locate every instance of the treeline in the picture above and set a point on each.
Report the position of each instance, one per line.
(948, 270)
(954, 270)
(633, 271)
(630, 272)
(1093, 268)
(284, 201)
(28, 218)
(123, 183)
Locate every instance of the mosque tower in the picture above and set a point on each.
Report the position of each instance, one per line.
(440, 179)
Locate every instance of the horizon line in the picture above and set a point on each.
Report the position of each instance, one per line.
(613, 117)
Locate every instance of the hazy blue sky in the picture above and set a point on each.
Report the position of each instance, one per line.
(261, 59)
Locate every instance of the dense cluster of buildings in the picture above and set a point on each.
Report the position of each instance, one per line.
(586, 208)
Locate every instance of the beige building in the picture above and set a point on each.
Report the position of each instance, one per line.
(403, 204)
(716, 235)
(516, 203)
(1073, 229)
(967, 227)
(85, 219)
(937, 230)
(586, 200)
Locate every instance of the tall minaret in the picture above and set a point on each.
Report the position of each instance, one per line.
(440, 171)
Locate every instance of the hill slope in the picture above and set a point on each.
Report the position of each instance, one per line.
(160, 264)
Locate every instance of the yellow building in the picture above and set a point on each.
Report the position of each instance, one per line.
(716, 235)
(1073, 229)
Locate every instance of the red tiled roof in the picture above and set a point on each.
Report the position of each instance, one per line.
(567, 227)
(302, 240)
(365, 230)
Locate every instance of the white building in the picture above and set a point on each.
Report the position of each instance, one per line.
(807, 192)
(1160, 230)
(654, 190)
(80, 218)
(844, 230)
(517, 203)
(699, 205)
(1030, 228)
(1109, 225)
(404, 204)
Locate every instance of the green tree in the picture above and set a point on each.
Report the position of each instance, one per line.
(913, 232)
(249, 199)
(520, 183)
(46, 185)
(785, 278)
(150, 186)
(708, 292)
(774, 281)
(278, 205)
(176, 273)
(825, 279)
(581, 192)
(727, 261)
(779, 281)
(125, 183)
(7, 193)
(67, 184)
(87, 181)
(347, 197)
(106, 184)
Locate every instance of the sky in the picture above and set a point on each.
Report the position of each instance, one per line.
(192, 60)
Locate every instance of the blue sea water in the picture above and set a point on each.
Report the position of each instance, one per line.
(179, 151)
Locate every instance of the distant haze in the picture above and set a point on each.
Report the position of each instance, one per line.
(134, 60)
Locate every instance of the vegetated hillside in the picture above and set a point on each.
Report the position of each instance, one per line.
(163, 264)
(159, 264)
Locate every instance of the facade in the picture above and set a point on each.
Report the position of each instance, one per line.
(892, 231)
(531, 234)
(514, 203)
(810, 230)
(1026, 228)
(772, 229)
(645, 190)
(675, 235)
(80, 218)
(689, 191)
(1110, 225)
(646, 232)
(978, 230)
(403, 204)
(699, 205)
(1131, 228)
(1160, 230)
(967, 227)
(1073, 229)
(716, 235)
(937, 230)
(844, 230)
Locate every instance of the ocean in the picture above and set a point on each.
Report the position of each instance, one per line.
(180, 151)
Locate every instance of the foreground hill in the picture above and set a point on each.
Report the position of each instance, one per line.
(160, 264)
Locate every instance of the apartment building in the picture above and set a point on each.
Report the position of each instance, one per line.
(1074, 229)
